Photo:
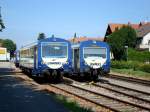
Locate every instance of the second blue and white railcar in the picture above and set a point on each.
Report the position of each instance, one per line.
(91, 58)
(49, 57)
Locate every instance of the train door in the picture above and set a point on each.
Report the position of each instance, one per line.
(76, 60)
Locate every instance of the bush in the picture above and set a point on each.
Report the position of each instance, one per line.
(145, 68)
(135, 65)
(123, 64)
(141, 56)
(125, 36)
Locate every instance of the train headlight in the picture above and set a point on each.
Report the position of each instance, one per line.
(67, 62)
(85, 63)
(43, 62)
(64, 62)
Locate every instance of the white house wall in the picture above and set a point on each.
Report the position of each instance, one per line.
(146, 39)
(3, 54)
(144, 43)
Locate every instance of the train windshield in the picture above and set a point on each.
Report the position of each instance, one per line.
(54, 49)
(94, 52)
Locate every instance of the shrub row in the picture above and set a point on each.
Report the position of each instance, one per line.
(131, 65)
(142, 56)
(145, 68)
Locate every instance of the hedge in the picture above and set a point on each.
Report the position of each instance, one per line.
(141, 56)
(145, 68)
(135, 65)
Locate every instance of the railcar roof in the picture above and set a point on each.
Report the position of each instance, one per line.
(77, 45)
(29, 45)
(53, 39)
(43, 40)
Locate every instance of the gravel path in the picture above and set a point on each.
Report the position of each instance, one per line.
(128, 84)
(16, 96)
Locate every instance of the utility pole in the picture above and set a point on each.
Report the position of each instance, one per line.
(1, 22)
(126, 47)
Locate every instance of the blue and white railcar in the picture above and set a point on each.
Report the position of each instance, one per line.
(91, 58)
(50, 57)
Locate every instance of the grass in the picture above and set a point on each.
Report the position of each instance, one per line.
(132, 73)
(71, 105)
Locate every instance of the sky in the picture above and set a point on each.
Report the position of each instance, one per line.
(25, 19)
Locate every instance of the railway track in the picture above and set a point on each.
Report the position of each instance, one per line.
(101, 97)
(130, 79)
(130, 92)
(112, 97)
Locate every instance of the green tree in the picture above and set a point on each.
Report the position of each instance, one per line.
(1, 22)
(41, 36)
(10, 45)
(1, 40)
(129, 36)
(126, 36)
(1, 25)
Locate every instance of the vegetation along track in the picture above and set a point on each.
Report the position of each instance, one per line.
(101, 98)
(130, 79)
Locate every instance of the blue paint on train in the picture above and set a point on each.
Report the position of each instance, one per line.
(50, 55)
(91, 56)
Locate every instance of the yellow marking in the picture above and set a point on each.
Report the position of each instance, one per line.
(2, 51)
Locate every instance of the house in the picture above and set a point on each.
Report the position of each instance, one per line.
(143, 37)
(84, 38)
(112, 27)
(142, 29)
(4, 55)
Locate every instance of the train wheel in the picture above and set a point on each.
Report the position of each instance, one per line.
(54, 75)
(30, 72)
(59, 76)
(101, 73)
(95, 75)
(47, 75)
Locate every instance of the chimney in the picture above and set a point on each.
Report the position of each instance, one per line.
(140, 24)
(129, 23)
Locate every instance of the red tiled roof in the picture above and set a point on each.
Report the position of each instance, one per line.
(80, 39)
(114, 26)
(143, 30)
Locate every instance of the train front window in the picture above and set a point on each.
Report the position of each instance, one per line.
(54, 50)
(94, 52)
